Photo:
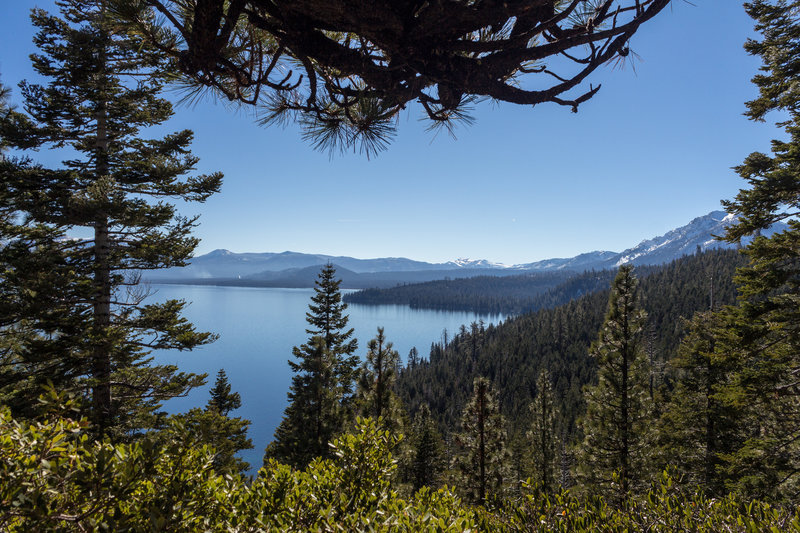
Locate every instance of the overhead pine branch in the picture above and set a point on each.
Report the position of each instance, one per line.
(345, 68)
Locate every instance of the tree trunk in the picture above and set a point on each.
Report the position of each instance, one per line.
(101, 356)
(627, 356)
(482, 441)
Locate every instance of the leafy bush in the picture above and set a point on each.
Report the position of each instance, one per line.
(53, 478)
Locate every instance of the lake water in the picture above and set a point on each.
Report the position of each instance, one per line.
(257, 329)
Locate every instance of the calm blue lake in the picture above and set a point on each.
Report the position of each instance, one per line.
(257, 329)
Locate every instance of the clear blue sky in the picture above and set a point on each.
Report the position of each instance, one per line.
(652, 150)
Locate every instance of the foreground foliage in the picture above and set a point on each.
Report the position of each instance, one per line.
(54, 478)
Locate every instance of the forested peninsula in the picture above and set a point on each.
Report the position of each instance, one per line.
(508, 295)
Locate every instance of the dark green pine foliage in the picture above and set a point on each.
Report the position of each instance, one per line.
(375, 396)
(702, 423)
(321, 391)
(513, 353)
(5, 113)
(545, 451)
(315, 413)
(482, 459)
(413, 357)
(222, 399)
(766, 323)
(426, 460)
(327, 319)
(614, 454)
(213, 426)
(482, 294)
(74, 311)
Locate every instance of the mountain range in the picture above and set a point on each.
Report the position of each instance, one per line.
(294, 269)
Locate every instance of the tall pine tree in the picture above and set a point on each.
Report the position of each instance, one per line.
(314, 414)
(321, 389)
(545, 449)
(702, 422)
(79, 235)
(482, 461)
(327, 318)
(426, 460)
(222, 399)
(614, 453)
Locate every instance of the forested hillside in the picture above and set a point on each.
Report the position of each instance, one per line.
(482, 294)
(512, 295)
(512, 354)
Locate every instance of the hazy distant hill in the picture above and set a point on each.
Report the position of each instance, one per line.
(294, 269)
(227, 264)
(305, 277)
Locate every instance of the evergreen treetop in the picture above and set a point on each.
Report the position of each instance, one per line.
(222, 399)
(326, 313)
(327, 318)
(376, 397)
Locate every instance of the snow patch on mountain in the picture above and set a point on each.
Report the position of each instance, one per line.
(699, 233)
(463, 262)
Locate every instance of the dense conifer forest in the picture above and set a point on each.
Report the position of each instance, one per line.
(513, 353)
(487, 294)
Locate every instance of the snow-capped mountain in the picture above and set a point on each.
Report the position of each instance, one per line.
(463, 262)
(699, 233)
(579, 263)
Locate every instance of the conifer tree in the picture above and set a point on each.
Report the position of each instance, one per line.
(426, 461)
(222, 399)
(483, 459)
(614, 453)
(314, 414)
(543, 435)
(213, 426)
(344, 70)
(5, 113)
(413, 358)
(766, 322)
(701, 425)
(321, 390)
(327, 319)
(375, 396)
(75, 312)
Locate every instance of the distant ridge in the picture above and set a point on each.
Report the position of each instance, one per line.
(685, 240)
(295, 269)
